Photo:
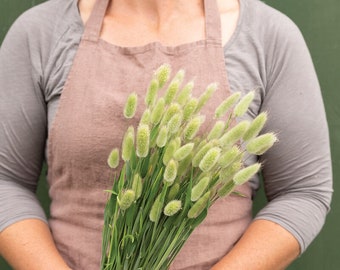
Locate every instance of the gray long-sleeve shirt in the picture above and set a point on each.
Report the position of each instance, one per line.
(266, 52)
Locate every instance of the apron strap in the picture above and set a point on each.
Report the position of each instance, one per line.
(212, 21)
(94, 24)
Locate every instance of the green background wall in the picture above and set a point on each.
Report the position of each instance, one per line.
(319, 22)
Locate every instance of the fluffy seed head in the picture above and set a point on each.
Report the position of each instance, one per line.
(162, 74)
(170, 149)
(199, 206)
(130, 106)
(145, 119)
(173, 191)
(189, 108)
(255, 126)
(216, 131)
(151, 94)
(210, 159)
(162, 137)
(126, 198)
(229, 157)
(226, 174)
(261, 144)
(242, 107)
(192, 127)
(128, 144)
(172, 208)
(156, 209)
(204, 98)
(226, 189)
(182, 152)
(137, 185)
(185, 94)
(142, 140)
(225, 106)
(170, 172)
(199, 188)
(246, 174)
(171, 91)
(157, 112)
(201, 153)
(234, 134)
(113, 159)
(175, 123)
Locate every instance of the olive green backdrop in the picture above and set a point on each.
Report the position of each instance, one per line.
(319, 22)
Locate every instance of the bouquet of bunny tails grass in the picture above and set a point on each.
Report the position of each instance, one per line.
(172, 174)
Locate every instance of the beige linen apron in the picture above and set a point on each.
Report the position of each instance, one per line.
(89, 123)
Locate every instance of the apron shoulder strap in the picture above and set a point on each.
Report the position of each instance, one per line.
(212, 21)
(94, 24)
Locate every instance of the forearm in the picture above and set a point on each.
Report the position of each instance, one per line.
(264, 246)
(28, 245)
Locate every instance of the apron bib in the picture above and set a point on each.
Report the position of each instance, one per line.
(89, 123)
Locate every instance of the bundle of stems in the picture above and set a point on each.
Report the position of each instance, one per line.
(172, 174)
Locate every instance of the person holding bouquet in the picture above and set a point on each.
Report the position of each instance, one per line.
(66, 69)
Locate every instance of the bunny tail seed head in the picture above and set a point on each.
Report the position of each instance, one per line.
(189, 108)
(183, 151)
(170, 172)
(204, 98)
(199, 206)
(185, 93)
(261, 144)
(163, 74)
(130, 106)
(151, 94)
(193, 127)
(216, 131)
(210, 159)
(126, 198)
(199, 188)
(256, 126)
(142, 140)
(234, 134)
(157, 112)
(162, 137)
(128, 144)
(172, 208)
(242, 107)
(226, 105)
(137, 185)
(246, 174)
(113, 159)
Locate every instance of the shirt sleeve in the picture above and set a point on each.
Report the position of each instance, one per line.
(23, 126)
(297, 170)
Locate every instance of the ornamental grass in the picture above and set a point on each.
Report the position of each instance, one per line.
(171, 173)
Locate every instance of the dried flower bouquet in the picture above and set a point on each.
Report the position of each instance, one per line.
(171, 175)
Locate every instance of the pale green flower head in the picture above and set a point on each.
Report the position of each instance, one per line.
(185, 94)
(261, 144)
(183, 151)
(170, 149)
(207, 94)
(163, 74)
(130, 106)
(242, 107)
(170, 112)
(201, 153)
(157, 112)
(234, 134)
(246, 174)
(228, 157)
(162, 137)
(156, 209)
(190, 108)
(128, 144)
(217, 130)
(256, 126)
(170, 172)
(226, 174)
(193, 127)
(126, 198)
(151, 94)
(171, 91)
(142, 140)
(137, 185)
(199, 206)
(172, 208)
(226, 189)
(210, 159)
(199, 188)
(145, 119)
(113, 159)
(175, 123)
(226, 105)
(173, 191)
